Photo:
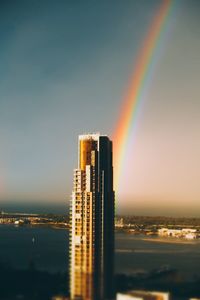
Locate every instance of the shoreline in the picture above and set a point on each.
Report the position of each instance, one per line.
(47, 225)
(172, 241)
(142, 235)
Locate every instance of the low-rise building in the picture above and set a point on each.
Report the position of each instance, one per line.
(187, 233)
(119, 223)
(143, 295)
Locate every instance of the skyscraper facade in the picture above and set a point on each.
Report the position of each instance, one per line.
(92, 221)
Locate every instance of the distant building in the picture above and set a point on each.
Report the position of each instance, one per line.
(19, 222)
(187, 233)
(92, 221)
(59, 298)
(143, 295)
(119, 223)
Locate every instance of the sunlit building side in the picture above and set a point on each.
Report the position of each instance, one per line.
(92, 221)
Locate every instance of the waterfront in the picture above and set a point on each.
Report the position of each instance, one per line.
(48, 249)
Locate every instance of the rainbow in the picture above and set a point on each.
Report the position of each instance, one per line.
(138, 82)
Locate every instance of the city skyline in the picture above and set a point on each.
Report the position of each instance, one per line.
(66, 69)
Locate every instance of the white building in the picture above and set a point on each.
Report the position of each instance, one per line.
(187, 233)
(143, 295)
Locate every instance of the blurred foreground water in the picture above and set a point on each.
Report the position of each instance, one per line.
(47, 248)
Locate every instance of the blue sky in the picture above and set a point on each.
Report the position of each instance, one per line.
(65, 67)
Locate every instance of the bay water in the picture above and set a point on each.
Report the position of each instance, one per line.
(48, 249)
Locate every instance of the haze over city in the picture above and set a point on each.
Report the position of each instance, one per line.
(65, 69)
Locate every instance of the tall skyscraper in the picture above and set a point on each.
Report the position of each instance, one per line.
(92, 221)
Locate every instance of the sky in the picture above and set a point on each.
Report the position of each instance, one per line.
(65, 68)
